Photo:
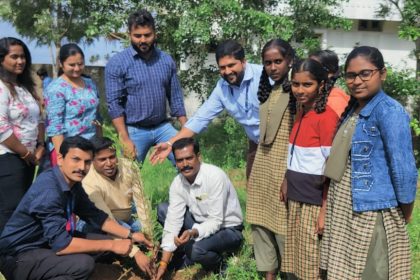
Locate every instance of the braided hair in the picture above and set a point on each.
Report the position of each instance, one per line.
(265, 88)
(320, 75)
(329, 61)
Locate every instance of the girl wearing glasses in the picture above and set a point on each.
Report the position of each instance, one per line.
(373, 180)
(309, 146)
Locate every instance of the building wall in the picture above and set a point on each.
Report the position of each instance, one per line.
(396, 52)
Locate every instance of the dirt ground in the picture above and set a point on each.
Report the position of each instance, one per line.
(116, 271)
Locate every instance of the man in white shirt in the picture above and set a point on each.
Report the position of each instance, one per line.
(203, 218)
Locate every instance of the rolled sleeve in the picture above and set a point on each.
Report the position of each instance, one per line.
(207, 112)
(176, 98)
(395, 129)
(55, 105)
(114, 87)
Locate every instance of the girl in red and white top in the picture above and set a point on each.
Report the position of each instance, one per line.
(306, 189)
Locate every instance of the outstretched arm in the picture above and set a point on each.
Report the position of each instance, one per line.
(162, 150)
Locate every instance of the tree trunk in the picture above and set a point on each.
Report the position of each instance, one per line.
(57, 59)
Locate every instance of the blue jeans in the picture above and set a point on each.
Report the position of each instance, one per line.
(209, 251)
(144, 138)
(84, 227)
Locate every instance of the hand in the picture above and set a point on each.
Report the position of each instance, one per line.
(121, 246)
(160, 272)
(143, 262)
(29, 158)
(320, 224)
(129, 148)
(140, 238)
(283, 191)
(184, 238)
(39, 152)
(160, 152)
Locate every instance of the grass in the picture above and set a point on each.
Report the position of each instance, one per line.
(414, 233)
(157, 180)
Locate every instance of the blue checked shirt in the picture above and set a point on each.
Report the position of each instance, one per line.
(146, 84)
(240, 102)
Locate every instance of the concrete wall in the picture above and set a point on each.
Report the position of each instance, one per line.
(397, 52)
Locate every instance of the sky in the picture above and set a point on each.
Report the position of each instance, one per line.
(41, 54)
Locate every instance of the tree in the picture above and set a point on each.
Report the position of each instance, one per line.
(409, 29)
(50, 21)
(191, 29)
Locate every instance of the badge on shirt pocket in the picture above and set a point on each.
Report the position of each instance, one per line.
(202, 197)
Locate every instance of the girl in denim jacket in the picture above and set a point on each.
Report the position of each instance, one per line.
(373, 180)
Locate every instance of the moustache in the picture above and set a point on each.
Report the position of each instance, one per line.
(80, 172)
(185, 168)
(143, 45)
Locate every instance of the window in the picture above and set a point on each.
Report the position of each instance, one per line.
(370, 25)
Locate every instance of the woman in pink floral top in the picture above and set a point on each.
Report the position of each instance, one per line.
(21, 128)
(71, 100)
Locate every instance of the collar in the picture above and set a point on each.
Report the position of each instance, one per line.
(367, 110)
(198, 180)
(134, 53)
(249, 74)
(64, 186)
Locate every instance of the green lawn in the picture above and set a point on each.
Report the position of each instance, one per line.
(157, 180)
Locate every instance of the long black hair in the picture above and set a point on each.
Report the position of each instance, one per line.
(374, 56)
(264, 88)
(329, 60)
(25, 79)
(317, 72)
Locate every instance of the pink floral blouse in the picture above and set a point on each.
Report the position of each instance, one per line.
(19, 115)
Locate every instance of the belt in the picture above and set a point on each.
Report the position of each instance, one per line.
(140, 125)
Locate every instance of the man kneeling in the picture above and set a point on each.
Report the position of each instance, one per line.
(40, 242)
(114, 185)
(204, 218)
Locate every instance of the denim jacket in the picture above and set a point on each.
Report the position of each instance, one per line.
(384, 171)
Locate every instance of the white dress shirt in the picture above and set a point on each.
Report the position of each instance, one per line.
(211, 199)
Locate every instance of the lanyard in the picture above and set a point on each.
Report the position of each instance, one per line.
(246, 96)
(71, 218)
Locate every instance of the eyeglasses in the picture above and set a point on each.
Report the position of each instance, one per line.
(364, 75)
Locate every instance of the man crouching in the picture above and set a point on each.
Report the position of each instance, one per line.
(203, 218)
(40, 240)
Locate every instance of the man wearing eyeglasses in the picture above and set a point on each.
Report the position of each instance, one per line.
(236, 92)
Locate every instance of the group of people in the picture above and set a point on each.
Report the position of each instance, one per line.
(331, 177)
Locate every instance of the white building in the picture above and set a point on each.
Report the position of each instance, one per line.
(369, 29)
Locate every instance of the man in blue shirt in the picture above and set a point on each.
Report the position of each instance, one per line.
(138, 82)
(236, 92)
(43, 75)
(40, 242)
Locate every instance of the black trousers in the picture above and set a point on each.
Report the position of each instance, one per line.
(209, 251)
(44, 264)
(15, 179)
